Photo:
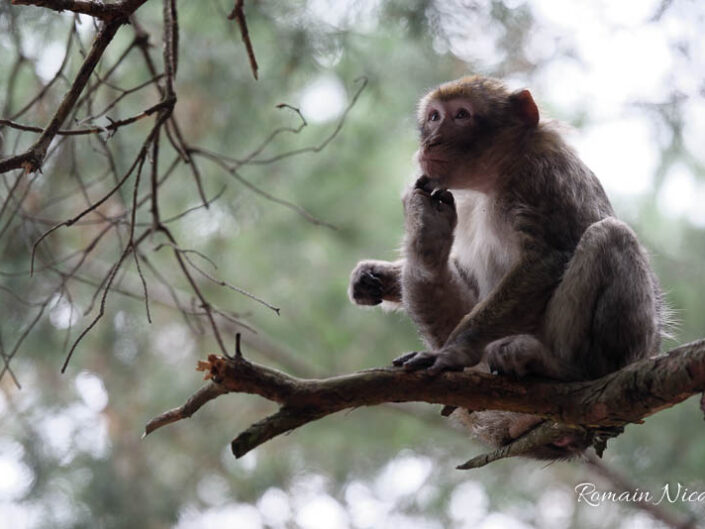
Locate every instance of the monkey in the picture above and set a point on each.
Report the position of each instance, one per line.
(513, 260)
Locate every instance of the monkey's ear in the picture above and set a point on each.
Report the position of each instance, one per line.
(525, 108)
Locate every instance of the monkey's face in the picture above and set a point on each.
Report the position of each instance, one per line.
(453, 138)
(467, 128)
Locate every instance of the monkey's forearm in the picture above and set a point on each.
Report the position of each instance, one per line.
(515, 306)
(391, 283)
(435, 303)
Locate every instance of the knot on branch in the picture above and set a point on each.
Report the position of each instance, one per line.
(32, 162)
(213, 366)
(217, 367)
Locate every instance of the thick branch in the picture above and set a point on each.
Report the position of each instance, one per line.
(625, 396)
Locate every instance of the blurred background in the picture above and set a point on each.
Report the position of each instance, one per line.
(625, 77)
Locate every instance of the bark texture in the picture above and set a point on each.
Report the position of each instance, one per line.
(625, 396)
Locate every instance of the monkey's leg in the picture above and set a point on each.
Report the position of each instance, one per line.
(604, 313)
(372, 282)
(522, 355)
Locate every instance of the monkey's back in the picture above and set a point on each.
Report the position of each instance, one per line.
(552, 196)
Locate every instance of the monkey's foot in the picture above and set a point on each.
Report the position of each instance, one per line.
(433, 363)
(519, 356)
(400, 360)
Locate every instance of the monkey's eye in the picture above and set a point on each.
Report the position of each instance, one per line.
(462, 114)
(434, 116)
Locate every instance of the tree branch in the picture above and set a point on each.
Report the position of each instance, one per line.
(32, 159)
(87, 7)
(625, 396)
(110, 128)
(238, 14)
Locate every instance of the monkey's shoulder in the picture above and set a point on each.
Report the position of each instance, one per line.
(557, 204)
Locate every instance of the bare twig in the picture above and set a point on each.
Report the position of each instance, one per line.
(234, 288)
(196, 290)
(197, 400)
(238, 14)
(33, 158)
(111, 127)
(137, 162)
(290, 205)
(362, 81)
(99, 205)
(106, 290)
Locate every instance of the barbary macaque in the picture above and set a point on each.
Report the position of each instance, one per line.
(513, 260)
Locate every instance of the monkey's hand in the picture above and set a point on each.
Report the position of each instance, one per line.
(447, 359)
(430, 219)
(372, 282)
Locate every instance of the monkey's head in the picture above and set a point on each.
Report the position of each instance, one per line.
(467, 126)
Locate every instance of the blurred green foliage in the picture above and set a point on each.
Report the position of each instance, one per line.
(83, 465)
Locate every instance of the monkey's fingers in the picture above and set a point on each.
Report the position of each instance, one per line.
(372, 284)
(447, 361)
(448, 410)
(424, 184)
(420, 360)
(366, 287)
(443, 195)
(400, 360)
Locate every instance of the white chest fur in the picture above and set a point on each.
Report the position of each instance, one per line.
(484, 244)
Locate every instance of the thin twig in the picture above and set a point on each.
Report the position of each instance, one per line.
(222, 283)
(104, 297)
(33, 158)
(111, 127)
(290, 205)
(192, 405)
(238, 13)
